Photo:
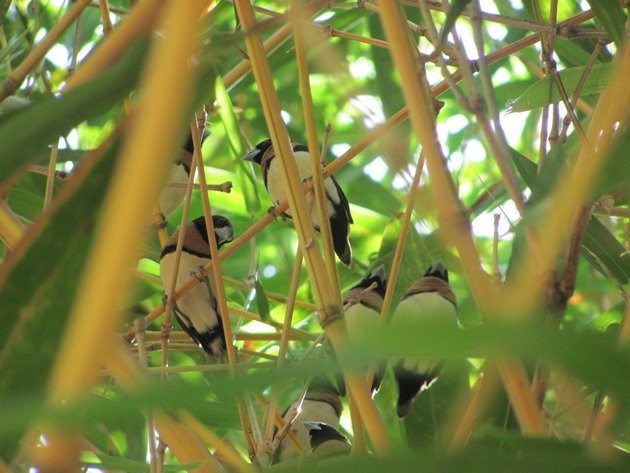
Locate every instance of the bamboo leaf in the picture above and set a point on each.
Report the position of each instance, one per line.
(261, 300)
(601, 249)
(457, 7)
(611, 15)
(238, 147)
(545, 92)
(31, 129)
(38, 287)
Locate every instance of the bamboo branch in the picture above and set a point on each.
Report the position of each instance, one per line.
(330, 317)
(450, 211)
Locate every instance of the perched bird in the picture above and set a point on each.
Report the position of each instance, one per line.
(429, 298)
(171, 196)
(363, 303)
(320, 405)
(337, 206)
(197, 311)
(326, 441)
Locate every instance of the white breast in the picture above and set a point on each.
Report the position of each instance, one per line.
(276, 189)
(198, 303)
(171, 197)
(426, 306)
(315, 411)
(357, 316)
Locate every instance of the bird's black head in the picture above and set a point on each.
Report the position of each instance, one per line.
(438, 270)
(189, 145)
(256, 154)
(223, 229)
(376, 276)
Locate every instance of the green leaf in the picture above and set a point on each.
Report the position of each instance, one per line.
(433, 407)
(545, 92)
(30, 130)
(605, 253)
(601, 249)
(594, 357)
(38, 286)
(611, 15)
(108, 462)
(261, 300)
(457, 7)
(244, 170)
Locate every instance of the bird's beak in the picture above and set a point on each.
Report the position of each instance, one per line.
(250, 156)
(224, 234)
(379, 272)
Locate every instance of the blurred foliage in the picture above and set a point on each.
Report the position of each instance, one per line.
(355, 88)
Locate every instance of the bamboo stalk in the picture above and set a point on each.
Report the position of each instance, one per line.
(311, 135)
(220, 289)
(18, 75)
(223, 450)
(450, 211)
(357, 148)
(166, 323)
(50, 175)
(569, 196)
(467, 417)
(246, 336)
(182, 442)
(11, 228)
(272, 407)
(398, 254)
(145, 152)
(330, 317)
(105, 18)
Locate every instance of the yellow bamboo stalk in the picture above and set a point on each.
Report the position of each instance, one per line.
(466, 415)
(297, 19)
(255, 337)
(398, 254)
(137, 24)
(573, 190)
(105, 18)
(11, 228)
(146, 152)
(182, 442)
(16, 78)
(50, 176)
(274, 42)
(246, 422)
(223, 450)
(330, 316)
(450, 212)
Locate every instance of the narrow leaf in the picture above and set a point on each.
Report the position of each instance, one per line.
(31, 129)
(457, 7)
(545, 92)
(611, 15)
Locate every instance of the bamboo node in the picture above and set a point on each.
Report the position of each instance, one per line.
(329, 315)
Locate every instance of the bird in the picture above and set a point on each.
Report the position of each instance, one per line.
(326, 441)
(319, 405)
(337, 206)
(172, 196)
(429, 298)
(197, 311)
(362, 304)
